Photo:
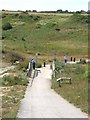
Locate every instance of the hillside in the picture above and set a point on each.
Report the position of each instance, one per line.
(46, 34)
(51, 35)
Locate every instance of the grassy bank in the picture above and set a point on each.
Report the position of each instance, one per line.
(77, 92)
(46, 34)
(11, 100)
(13, 90)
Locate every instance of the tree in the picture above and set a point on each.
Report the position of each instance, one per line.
(66, 11)
(34, 11)
(28, 10)
(78, 12)
(59, 11)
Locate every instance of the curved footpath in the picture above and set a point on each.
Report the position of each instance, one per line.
(42, 102)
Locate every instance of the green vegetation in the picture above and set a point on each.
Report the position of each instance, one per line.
(38, 65)
(49, 35)
(14, 80)
(11, 100)
(32, 33)
(77, 92)
(7, 26)
(13, 89)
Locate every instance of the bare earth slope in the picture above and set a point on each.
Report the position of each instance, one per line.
(42, 102)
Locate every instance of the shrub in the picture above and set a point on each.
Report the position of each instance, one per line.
(13, 57)
(25, 12)
(3, 16)
(35, 18)
(14, 80)
(7, 26)
(3, 51)
(3, 37)
(79, 18)
(23, 65)
(59, 65)
(16, 15)
(38, 26)
(34, 11)
(38, 65)
(23, 39)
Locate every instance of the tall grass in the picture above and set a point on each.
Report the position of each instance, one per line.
(77, 92)
(40, 35)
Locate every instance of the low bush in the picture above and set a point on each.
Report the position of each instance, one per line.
(38, 65)
(3, 51)
(59, 65)
(7, 26)
(13, 57)
(3, 37)
(36, 18)
(14, 80)
(23, 65)
(79, 18)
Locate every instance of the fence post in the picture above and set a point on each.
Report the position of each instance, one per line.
(53, 68)
(30, 69)
(59, 84)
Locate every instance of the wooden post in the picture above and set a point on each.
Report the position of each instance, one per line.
(29, 66)
(70, 80)
(30, 69)
(44, 64)
(53, 68)
(59, 84)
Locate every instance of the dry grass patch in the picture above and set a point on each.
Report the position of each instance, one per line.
(11, 100)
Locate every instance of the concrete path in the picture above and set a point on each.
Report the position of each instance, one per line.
(42, 102)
